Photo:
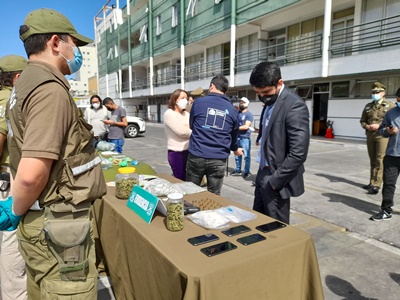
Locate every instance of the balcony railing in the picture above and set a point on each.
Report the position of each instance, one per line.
(372, 35)
(203, 70)
(167, 76)
(303, 49)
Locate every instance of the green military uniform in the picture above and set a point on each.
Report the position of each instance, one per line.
(75, 181)
(374, 113)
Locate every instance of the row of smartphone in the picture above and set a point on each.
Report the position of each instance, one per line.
(227, 246)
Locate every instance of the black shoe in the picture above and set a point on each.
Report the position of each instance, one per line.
(381, 216)
(373, 190)
(246, 175)
(234, 173)
(367, 187)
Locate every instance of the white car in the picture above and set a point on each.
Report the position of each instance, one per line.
(135, 126)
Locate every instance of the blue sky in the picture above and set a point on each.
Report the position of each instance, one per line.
(80, 12)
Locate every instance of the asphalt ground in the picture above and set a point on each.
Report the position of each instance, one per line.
(358, 258)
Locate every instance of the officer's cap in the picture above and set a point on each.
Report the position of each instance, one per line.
(197, 92)
(245, 100)
(46, 20)
(12, 63)
(378, 87)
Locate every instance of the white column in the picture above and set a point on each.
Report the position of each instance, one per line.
(120, 83)
(182, 67)
(325, 40)
(232, 58)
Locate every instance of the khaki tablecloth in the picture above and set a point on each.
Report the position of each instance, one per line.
(146, 261)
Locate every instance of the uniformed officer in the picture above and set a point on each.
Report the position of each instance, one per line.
(371, 118)
(56, 171)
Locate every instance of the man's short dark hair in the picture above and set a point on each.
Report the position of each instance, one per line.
(265, 74)
(107, 100)
(37, 43)
(398, 93)
(221, 83)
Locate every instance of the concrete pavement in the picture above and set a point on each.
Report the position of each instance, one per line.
(358, 258)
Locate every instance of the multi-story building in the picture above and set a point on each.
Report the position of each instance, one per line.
(80, 84)
(330, 52)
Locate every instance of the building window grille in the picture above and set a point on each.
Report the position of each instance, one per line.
(174, 16)
(159, 25)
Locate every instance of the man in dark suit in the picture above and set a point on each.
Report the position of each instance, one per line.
(284, 143)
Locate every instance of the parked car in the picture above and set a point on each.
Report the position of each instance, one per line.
(135, 126)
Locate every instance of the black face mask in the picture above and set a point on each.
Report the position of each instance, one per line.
(241, 107)
(268, 100)
(109, 109)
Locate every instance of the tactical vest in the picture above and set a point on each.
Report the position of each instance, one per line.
(76, 176)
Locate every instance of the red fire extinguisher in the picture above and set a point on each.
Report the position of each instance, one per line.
(329, 130)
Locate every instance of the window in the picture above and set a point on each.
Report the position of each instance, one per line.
(174, 15)
(159, 25)
(340, 89)
(192, 8)
(143, 34)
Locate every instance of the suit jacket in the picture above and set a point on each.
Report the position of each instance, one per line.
(285, 142)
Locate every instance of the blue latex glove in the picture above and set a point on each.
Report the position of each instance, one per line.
(8, 220)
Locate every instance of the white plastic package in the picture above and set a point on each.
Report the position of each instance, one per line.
(209, 219)
(236, 214)
(159, 187)
(105, 146)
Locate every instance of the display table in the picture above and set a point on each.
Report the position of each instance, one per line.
(146, 261)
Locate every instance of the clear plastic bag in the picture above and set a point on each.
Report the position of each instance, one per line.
(236, 214)
(105, 146)
(159, 187)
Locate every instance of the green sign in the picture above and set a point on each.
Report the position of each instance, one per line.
(143, 203)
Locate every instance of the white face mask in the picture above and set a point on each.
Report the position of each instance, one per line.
(96, 105)
(182, 103)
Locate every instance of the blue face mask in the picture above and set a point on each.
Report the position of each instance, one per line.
(376, 97)
(398, 104)
(76, 63)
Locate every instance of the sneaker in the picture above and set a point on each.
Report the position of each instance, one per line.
(381, 216)
(234, 173)
(246, 175)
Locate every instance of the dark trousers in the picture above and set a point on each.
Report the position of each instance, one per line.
(213, 169)
(391, 169)
(269, 202)
(177, 160)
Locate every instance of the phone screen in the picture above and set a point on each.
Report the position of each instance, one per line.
(218, 248)
(270, 226)
(236, 230)
(202, 239)
(251, 239)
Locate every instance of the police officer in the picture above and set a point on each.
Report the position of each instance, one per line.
(12, 265)
(371, 118)
(56, 171)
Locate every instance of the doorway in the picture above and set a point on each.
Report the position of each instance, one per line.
(320, 108)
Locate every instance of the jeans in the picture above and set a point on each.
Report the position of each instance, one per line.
(391, 169)
(244, 143)
(119, 143)
(213, 169)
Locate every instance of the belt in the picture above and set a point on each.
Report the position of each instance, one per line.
(266, 168)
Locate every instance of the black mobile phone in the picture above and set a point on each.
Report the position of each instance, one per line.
(202, 239)
(218, 248)
(236, 230)
(270, 226)
(251, 239)
(390, 126)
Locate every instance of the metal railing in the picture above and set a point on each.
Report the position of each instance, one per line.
(303, 49)
(203, 70)
(371, 35)
(166, 76)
